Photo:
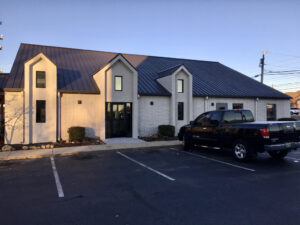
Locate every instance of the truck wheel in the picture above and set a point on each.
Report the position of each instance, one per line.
(278, 154)
(187, 142)
(241, 151)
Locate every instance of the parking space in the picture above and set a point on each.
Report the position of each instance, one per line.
(151, 186)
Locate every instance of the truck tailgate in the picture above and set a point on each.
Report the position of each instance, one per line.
(283, 132)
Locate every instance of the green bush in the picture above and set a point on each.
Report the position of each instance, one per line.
(76, 133)
(166, 130)
(287, 119)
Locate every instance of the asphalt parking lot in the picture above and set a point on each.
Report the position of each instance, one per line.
(151, 186)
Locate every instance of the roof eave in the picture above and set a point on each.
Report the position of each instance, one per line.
(236, 96)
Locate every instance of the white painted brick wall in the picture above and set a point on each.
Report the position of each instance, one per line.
(151, 116)
(13, 114)
(283, 106)
(86, 114)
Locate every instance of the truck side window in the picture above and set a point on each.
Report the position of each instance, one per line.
(216, 116)
(232, 117)
(203, 117)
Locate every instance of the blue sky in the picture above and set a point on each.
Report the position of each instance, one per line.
(232, 32)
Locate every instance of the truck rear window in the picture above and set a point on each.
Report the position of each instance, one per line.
(237, 116)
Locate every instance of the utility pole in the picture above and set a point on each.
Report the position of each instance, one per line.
(262, 65)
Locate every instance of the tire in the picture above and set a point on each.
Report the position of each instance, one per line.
(278, 154)
(187, 142)
(242, 151)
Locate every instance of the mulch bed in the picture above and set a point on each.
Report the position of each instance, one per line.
(86, 141)
(158, 138)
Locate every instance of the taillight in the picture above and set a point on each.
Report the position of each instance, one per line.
(265, 133)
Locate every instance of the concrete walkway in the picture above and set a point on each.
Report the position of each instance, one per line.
(30, 154)
(110, 141)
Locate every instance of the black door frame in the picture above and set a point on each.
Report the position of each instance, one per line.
(109, 122)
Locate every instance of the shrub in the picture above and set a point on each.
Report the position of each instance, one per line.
(287, 119)
(76, 133)
(166, 130)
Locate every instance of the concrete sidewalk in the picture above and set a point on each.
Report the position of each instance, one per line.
(29, 154)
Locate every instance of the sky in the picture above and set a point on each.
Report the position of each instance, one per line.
(232, 32)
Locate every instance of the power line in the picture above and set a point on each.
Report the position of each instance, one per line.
(282, 71)
(296, 83)
(284, 89)
(281, 74)
(285, 67)
(278, 53)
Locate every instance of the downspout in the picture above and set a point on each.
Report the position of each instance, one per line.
(206, 104)
(23, 116)
(59, 115)
(256, 101)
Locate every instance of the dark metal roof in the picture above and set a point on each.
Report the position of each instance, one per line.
(75, 67)
(3, 79)
(168, 72)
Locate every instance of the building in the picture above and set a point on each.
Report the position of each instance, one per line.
(295, 98)
(50, 89)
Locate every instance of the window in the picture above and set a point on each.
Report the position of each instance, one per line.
(271, 112)
(40, 111)
(237, 106)
(216, 116)
(118, 83)
(180, 111)
(237, 116)
(204, 119)
(221, 106)
(40, 79)
(180, 86)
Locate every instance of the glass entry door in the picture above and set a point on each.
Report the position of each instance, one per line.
(118, 119)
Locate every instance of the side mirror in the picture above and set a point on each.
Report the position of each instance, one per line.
(191, 123)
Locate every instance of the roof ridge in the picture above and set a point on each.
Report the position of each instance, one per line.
(131, 54)
(180, 64)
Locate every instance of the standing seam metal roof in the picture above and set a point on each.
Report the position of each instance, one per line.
(75, 68)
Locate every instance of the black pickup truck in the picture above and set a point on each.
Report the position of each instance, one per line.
(237, 130)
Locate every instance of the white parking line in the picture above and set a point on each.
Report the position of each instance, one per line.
(214, 160)
(149, 168)
(57, 180)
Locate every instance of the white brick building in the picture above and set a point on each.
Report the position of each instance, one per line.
(50, 89)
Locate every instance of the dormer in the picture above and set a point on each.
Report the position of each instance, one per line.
(179, 82)
(40, 99)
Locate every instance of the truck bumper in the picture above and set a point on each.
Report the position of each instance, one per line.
(284, 146)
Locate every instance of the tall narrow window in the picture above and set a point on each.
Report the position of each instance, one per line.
(40, 79)
(271, 112)
(180, 85)
(40, 111)
(180, 111)
(118, 83)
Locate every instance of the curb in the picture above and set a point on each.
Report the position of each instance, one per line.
(67, 151)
